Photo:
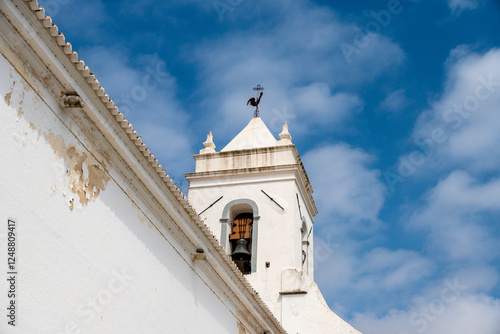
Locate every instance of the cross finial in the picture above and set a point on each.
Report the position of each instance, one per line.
(258, 88)
(255, 102)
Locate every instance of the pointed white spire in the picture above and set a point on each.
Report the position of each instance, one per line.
(209, 144)
(254, 135)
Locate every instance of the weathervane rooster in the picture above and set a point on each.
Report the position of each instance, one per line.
(255, 102)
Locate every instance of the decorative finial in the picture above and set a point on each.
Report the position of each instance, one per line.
(255, 102)
(285, 137)
(209, 144)
(285, 134)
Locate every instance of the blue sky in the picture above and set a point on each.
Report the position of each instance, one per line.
(393, 105)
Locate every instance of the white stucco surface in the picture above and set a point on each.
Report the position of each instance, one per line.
(99, 267)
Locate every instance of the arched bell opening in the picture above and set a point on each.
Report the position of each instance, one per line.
(241, 241)
(241, 213)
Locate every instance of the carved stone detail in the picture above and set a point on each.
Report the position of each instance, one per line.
(72, 100)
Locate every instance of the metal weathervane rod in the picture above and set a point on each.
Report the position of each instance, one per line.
(255, 101)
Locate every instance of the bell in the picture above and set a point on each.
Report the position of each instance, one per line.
(240, 252)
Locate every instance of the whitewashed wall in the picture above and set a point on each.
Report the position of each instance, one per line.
(93, 262)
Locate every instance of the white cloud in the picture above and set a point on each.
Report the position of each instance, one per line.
(349, 196)
(395, 269)
(373, 280)
(461, 192)
(466, 115)
(345, 188)
(394, 102)
(297, 58)
(391, 288)
(321, 106)
(437, 313)
(455, 216)
(458, 6)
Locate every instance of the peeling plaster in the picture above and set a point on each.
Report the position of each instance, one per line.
(88, 172)
(7, 98)
(87, 177)
(10, 102)
(20, 111)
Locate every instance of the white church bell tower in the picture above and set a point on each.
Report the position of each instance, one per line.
(256, 189)
(256, 198)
